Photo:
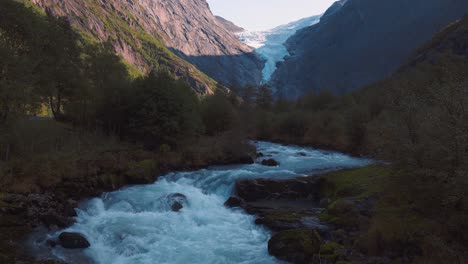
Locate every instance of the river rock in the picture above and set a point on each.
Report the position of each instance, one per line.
(270, 162)
(234, 201)
(324, 202)
(176, 207)
(256, 189)
(297, 245)
(72, 240)
(176, 201)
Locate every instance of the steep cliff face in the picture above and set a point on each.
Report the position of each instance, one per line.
(148, 33)
(230, 26)
(358, 42)
(190, 29)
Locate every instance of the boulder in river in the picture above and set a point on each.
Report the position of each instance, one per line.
(234, 201)
(176, 201)
(72, 240)
(270, 162)
(297, 245)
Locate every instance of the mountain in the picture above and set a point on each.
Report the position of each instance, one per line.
(150, 33)
(269, 43)
(358, 42)
(453, 40)
(230, 26)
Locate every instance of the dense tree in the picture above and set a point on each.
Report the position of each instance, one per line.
(218, 113)
(60, 72)
(264, 97)
(164, 111)
(20, 34)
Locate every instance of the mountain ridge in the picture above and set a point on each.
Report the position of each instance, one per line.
(359, 42)
(150, 34)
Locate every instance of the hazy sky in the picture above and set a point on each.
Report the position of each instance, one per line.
(266, 14)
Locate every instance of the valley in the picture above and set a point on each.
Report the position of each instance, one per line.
(161, 131)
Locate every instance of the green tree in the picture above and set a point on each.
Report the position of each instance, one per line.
(60, 69)
(218, 114)
(20, 30)
(164, 111)
(264, 97)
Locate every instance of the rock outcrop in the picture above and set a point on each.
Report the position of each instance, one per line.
(147, 34)
(358, 42)
(306, 227)
(72, 240)
(297, 246)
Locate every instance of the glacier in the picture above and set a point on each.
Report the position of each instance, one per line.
(269, 43)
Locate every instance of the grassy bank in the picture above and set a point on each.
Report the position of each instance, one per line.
(404, 221)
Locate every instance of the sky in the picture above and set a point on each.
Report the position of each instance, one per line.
(267, 14)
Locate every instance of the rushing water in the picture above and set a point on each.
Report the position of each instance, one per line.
(135, 225)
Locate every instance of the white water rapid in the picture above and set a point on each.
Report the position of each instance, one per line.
(135, 226)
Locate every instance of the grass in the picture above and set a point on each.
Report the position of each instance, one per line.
(308, 240)
(43, 153)
(393, 223)
(408, 218)
(357, 183)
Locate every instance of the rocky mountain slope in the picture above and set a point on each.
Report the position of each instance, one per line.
(149, 33)
(358, 42)
(230, 26)
(452, 40)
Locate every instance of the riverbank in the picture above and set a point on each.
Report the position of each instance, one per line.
(367, 215)
(374, 214)
(178, 235)
(42, 189)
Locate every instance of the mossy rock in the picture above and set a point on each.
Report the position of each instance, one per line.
(296, 245)
(288, 217)
(330, 248)
(283, 220)
(112, 181)
(342, 207)
(331, 252)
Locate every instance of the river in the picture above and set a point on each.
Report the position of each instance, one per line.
(135, 225)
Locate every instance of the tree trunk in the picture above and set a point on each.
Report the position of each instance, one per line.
(56, 106)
